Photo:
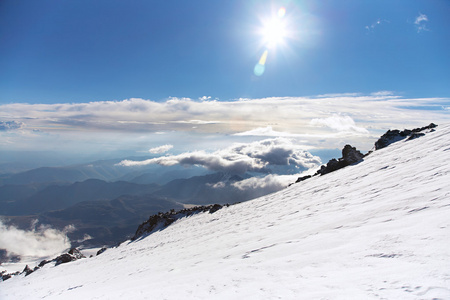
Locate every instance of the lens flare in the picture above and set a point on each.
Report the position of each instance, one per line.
(273, 32)
(261, 65)
(259, 69)
(281, 12)
(263, 58)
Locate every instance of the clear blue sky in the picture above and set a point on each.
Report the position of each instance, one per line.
(80, 51)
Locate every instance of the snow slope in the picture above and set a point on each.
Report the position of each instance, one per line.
(376, 230)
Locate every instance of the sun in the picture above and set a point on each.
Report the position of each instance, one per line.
(274, 30)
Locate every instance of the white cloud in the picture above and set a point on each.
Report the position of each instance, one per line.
(420, 22)
(375, 24)
(136, 123)
(160, 149)
(421, 18)
(264, 156)
(40, 241)
(265, 131)
(340, 123)
(268, 184)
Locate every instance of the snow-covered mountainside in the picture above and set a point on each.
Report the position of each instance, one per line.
(379, 229)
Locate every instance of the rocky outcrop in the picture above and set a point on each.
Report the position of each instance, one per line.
(163, 220)
(27, 271)
(5, 276)
(300, 179)
(392, 136)
(101, 251)
(349, 156)
(72, 255)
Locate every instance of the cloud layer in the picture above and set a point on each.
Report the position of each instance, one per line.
(10, 125)
(317, 121)
(266, 156)
(40, 241)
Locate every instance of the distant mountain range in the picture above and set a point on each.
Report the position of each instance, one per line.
(105, 212)
(107, 170)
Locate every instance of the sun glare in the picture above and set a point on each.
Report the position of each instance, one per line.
(274, 32)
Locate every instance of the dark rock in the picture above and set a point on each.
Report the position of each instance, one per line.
(6, 276)
(74, 254)
(64, 258)
(392, 136)
(43, 263)
(415, 135)
(215, 208)
(161, 221)
(349, 156)
(300, 179)
(27, 271)
(101, 251)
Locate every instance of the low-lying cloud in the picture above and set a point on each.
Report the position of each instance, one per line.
(254, 187)
(266, 156)
(265, 185)
(39, 241)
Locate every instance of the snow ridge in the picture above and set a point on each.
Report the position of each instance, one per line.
(378, 229)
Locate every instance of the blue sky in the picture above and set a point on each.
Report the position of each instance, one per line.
(79, 51)
(124, 77)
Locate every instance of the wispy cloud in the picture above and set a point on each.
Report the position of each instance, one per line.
(371, 27)
(421, 22)
(160, 149)
(266, 156)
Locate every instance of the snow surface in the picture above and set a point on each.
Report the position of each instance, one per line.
(379, 229)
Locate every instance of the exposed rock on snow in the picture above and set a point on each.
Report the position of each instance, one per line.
(101, 251)
(349, 156)
(163, 220)
(392, 136)
(72, 255)
(27, 271)
(5, 276)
